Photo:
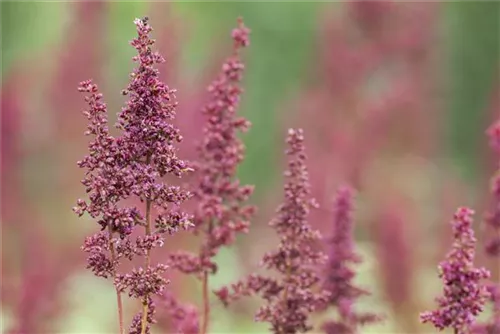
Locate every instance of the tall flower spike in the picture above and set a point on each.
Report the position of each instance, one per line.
(463, 295)
(221, 212)
(339, 276)
(132, 165)
(291, 298)
(492, 325)
(395, 254)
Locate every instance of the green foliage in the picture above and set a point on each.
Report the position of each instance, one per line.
(473, 59)
(28, 26)
(92, 304)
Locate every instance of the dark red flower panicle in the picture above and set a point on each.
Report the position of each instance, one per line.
(221, 212)
(293, 296)
(464, 296)
(132, 165)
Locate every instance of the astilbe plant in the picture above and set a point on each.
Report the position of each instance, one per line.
(221, 212)
(464, 296)
(176, 316)
(132, 165)
(372, 97)
(492, 246)
(294, 295)
(305, 280)
(339, 275)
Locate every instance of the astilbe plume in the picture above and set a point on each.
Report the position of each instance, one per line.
(171, 32)
(221, 212)
(493, 245)
(396, 258)
(338, 274)
(132, 165)
(181, 318)
(292, 297)
(463, 296)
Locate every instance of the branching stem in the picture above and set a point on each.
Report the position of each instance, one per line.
(118, 293)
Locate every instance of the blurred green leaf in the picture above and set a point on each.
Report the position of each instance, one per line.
(474, 55)
(25, 27)
(92, 305)
(7, 319)
(282, 43)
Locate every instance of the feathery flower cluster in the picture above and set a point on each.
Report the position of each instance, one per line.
(181, 318)
(463, 296)
(221, 212)
(132, 165)
(291, 298)
(338, 276)
(493, 245)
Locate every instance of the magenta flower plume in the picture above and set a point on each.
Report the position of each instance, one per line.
(132, 165)
(464, 296)
(180, 318)
(396, 258)
(493, 245)
(338, 274)
(292, 297)
(221, 212)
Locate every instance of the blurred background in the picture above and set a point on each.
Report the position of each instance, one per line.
(394, 98)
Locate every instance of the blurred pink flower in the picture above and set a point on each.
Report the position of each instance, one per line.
(396, 258)
(34, 268)
(339, 273)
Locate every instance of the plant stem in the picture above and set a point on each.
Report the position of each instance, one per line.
(118, 293)
(287, 280)
(148, 260)
(206, 298)
(206, 304)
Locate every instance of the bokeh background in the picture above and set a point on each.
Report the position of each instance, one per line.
(395, 99)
